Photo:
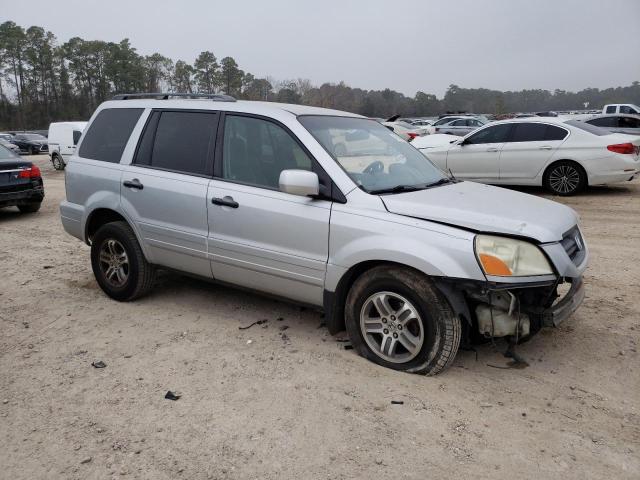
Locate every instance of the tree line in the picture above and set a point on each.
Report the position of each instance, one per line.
(42, 80)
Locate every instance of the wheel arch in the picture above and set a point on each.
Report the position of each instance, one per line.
(558, 160)
(102, 215)
(334, 301)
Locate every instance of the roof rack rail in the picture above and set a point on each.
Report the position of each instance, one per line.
(216, 97)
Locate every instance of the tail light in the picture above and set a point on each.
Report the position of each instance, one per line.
(412, 135)
(624, 148)
(31, 172)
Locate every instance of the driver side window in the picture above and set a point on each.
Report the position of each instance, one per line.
(255, 151)
(493, 134)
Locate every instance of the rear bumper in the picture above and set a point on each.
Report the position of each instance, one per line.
(22, 197)
(71, 216)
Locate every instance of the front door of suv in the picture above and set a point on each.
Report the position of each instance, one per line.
(164, 190)
(259, 237)
(478, 156)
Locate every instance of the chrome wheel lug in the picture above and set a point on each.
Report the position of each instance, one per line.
(399, 327)
(395, 335)
(384, 320)
(386, 332)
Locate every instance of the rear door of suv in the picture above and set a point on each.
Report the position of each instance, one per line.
(260, 237)
(164, 190)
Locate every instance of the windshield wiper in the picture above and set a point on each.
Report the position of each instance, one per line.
(398, 189)
(442, 181)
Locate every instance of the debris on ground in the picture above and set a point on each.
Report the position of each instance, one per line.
(285, 337)
(98, 364)
(283, 328)
(86, 460)
(397, 402)
(172, 395)
(257, 322)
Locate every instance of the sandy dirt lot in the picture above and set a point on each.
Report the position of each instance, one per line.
(293, 403)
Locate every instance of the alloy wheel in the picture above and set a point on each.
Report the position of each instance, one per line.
(564, 179)
(391, 327)
(114, 262)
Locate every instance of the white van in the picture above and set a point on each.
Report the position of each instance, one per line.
(63, 138)
(627, 108)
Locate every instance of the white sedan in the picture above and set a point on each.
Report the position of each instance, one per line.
(563, 156)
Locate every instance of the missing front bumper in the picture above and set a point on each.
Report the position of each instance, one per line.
(560, 311)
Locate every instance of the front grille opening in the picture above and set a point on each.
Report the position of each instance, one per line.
(574, 245)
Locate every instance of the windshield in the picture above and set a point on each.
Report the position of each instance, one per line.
(374, 157)
(6, 154)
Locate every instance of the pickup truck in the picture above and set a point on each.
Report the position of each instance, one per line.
(627, 108)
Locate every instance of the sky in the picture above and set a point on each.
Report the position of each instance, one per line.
(408, 46)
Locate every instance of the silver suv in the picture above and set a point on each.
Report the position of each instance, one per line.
(409, 261)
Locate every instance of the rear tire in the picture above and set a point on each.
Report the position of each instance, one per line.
(30, 207)
(565, 178)
(418, 332)
(57, 162)
(119, 264)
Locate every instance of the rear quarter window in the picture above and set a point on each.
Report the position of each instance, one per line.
(109, 133)
(588, 128)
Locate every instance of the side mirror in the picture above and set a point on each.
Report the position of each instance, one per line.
(299, 182)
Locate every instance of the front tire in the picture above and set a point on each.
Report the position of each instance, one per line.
(396, 318)
(119, 264)
(565, 178)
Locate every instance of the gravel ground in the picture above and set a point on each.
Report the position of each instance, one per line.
(284, 399)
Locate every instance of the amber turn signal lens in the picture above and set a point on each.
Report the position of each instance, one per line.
(494, 266)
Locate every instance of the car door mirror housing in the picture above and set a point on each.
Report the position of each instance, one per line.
(299, 182)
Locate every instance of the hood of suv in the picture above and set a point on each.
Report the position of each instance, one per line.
(484, 208)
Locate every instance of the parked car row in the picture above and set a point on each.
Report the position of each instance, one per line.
(60, 141)
(564, 156)
(26, 142)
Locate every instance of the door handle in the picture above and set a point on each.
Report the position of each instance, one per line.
(135, 183)
(492, 149)
(225, 202)
(545, 147)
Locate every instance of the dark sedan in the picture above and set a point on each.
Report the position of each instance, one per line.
(31, 143)
(20, 183)
(619, 123)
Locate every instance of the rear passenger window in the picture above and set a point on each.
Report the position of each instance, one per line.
(611, 109)
(629, 122)
(604, 122)
(179, 141)
(109, 134)
(255, 151)
(528, 132)
(554, 133)
(76, 136)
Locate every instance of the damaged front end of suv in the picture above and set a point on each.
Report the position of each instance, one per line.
(528, 286)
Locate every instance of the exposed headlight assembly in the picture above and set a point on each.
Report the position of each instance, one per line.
(508, 257)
